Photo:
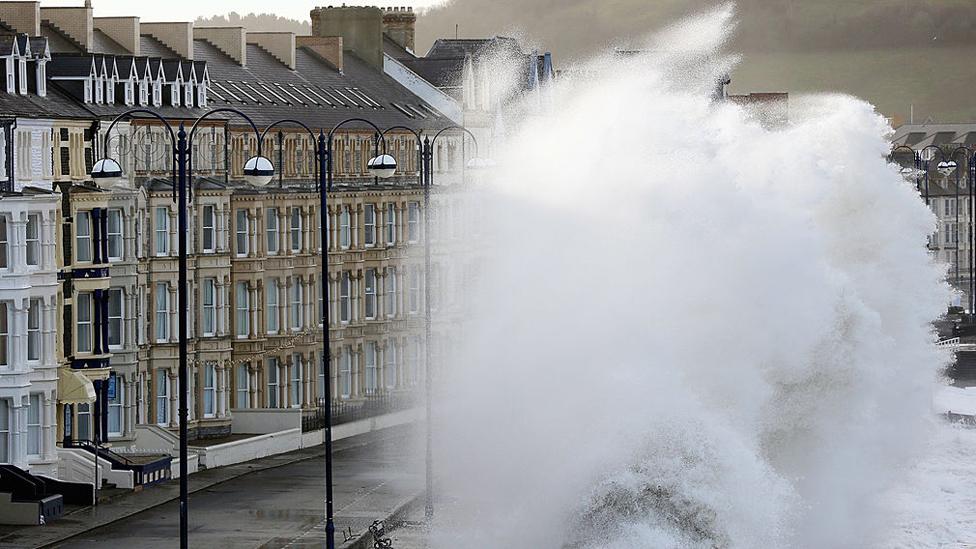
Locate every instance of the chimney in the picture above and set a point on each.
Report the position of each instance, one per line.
(124, 30)
(281, 45)
(361, 29)
(400, 25)
(175, 36)
(23, 17)
(74, 22)
(328, 48)
(230, 40)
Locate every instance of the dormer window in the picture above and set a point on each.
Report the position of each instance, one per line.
(10, 75)
(202, 96)
(23, 76)
(175, 94)
(188, 94)
(158, 93)
(130, 92)
(88, 90)
(110, 91)
(42, 78)
(99, 91)
(144, 93)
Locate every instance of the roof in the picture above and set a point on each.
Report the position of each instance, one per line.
(70, 65)
(151, 47)
(395, 50)
(57, 104)
(103, 43)
(919, 136)
(39, 46)
(59, 42)
(454, 48)
(7, 45)
(315, 93)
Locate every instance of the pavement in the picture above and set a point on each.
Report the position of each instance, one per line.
(271, 503)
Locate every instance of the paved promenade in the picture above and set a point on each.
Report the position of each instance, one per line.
(270, 503)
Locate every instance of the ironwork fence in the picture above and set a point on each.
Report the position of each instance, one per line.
(346, 411)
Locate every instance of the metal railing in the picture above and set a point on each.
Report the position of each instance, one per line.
(346, 411)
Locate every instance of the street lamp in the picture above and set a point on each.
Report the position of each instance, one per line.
(382, 166)
(968, 157)
(259, 171)
(426, 180)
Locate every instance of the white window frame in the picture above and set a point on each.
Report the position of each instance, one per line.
(116, 234)
(345, 374)
(161, 230)
(413, 290)
(5, 334)
(243, 386)
(209, 230)
(117, 406)
(295, 394)
(5, 422)
(241, 230)
(297, 312)
(371, 382)
(33, 239)
(295, 230)
(390, 368)
(161, 298)
(210, 389)
(34, 330)
(242, 302)
(272, 373)
(369, 291)
(391, 292)
(345, 232)
(345, 308)
(162, 397)
(391, 232)
(369, 225)
(35, 426)
(209, 307)
(272, 305)
(120, 318)
(413, 222)
(83, 239)
(84, 344)
(4, 243)
(272, 225)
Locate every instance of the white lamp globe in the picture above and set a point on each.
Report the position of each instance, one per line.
(258, 171)
(383, 166)
(106, 170)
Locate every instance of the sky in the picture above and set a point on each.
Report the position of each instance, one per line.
(188, 10)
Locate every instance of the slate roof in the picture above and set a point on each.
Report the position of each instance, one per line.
(150, 47)
(315, 93)
(59, 42)
(70, 65)
(394, 50)
(57, 104)
(6, 45)
(919, 136)
(454, 48)
(38, 45)
(103, 43)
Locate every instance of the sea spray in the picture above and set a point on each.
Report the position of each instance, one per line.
(689, 327)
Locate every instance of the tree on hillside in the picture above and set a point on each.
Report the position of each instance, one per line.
(260, 22)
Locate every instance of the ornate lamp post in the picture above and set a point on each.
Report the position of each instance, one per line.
(258, 171)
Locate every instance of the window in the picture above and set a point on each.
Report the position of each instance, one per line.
(391, 233)
(272, 373)
(243, 313)
(115, 235)
(372, 380)
(369, 220)
(4, 333)
(84, 422)
(345, 374)
(414, 289)
(4, 430)
(84, 320)
(413, 222)
(162, 397)
(3, 242)
(162, 313)
(271, 221)
(162, 231)
(83, 242)
(296, 230)
(209, 390)
(209, 307)
(115, 407)
(243, 386)
(209, 229)
(34, 239)
(344, 309)
(948, 233)
(241, 233)
(271, 297)
(296, 304)
(345, 236)
(370, 294)
(34, 330)
(390, 373)
(115, 315)
(296, 380)
(34, 425)
(391, 290)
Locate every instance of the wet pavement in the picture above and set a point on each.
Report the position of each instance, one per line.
(277, 507)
